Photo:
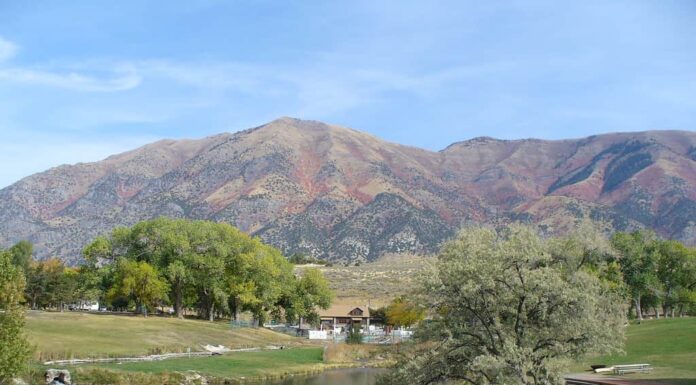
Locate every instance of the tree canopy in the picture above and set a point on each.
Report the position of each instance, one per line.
(505, 310)
(211, 267)
(14, 347)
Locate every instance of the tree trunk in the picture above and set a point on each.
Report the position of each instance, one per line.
(235, 311)
(211, 312)
(639, 311)
(178, 302)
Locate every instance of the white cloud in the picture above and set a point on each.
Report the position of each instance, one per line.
(7, 49)
(71, 81)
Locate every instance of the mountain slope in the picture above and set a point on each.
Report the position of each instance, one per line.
(341, 194)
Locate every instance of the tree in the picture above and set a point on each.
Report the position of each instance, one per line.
(304, 296)
(402, 312)
(213, 267)
(638, 259)
(379, 315)
(141, 283)
(14, 347)
(676, 273)
(504, 312)
(43, 280)
(66, 290)
(21, 254)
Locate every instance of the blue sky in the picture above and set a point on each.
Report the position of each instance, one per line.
(80, 80)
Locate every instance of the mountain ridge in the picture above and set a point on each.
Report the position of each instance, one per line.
(326, 190)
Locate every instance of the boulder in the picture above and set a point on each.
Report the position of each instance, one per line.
(53, 373)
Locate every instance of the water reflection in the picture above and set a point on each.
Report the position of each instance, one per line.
(359, 376)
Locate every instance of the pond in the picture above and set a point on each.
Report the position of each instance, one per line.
(357, 376)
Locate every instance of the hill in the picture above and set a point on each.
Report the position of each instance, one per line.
(340, 194)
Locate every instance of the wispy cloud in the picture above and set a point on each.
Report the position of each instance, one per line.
(70, 80)
(120, 79)
(7, 49)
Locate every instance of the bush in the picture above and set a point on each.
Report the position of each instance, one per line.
(354, 336)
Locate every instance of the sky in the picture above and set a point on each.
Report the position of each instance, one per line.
(81, 80)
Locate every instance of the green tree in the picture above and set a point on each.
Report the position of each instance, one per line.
(676, 272)
(66, 289)
(213, 267)
(21, 254)
(303, 296)
(638, 259)
(14, 347)
(141, 283)
(504, 312)
(43, 280)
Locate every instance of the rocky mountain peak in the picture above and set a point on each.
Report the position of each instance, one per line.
(341, 194)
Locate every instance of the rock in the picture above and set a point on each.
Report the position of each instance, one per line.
(194, 378)
(53, 373)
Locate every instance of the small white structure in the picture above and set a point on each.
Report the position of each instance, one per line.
(318, 335)
(402, 332)
(85, 306)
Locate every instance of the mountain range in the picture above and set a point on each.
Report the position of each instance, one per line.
(344, 195)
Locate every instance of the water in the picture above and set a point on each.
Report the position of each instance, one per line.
(358, 376)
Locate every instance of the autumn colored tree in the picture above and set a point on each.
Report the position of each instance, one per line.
(402, 312)
(139, 282)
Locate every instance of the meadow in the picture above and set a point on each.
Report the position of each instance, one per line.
(271, 363)
(669, 345)
(87, 335)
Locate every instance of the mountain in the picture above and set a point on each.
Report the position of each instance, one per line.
(342, 194)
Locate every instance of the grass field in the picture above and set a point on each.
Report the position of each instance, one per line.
(82, 335)
(668, 344)
(248, 364)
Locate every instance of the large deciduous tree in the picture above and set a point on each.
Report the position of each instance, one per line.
(21, 254)
(302, 297)
(139, 282)
(402, 312)
(213, 267)
(14, 347)
(676, 272)
(504, 311)
(638, 258)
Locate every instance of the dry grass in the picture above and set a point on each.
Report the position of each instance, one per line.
(375, 283)
(80, 335)
(374, 355)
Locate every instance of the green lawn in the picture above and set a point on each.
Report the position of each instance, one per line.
(668, 344)
(243, 364)
(80, 335)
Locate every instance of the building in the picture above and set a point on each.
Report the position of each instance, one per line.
(339, 317)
